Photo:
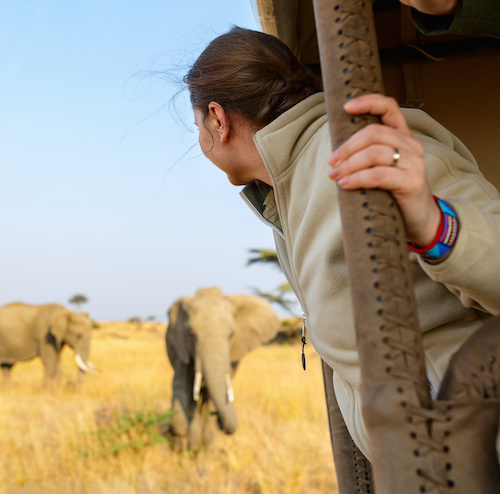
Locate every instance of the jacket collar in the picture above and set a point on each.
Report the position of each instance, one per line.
(282, 141)
(279, 144)
(260, 198)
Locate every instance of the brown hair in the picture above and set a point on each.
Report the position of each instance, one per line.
(251, 74)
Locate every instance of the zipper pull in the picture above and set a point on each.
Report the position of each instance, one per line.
(303, 339)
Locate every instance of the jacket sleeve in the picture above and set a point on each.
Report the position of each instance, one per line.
(471, 17)
(472, 271)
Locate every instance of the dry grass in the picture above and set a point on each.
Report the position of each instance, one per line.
(104, 438)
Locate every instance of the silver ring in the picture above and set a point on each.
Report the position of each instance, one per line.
(395, 157)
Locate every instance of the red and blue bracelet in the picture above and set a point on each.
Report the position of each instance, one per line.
(445, 238)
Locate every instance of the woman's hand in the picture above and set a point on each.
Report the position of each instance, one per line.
(433, 7)
(388, 157)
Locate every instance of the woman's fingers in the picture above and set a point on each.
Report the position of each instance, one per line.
(402, 183)
(383, 106)
(401, 172)
(376, 136)
(387, 156)
(371, 140)
(376, 155)
(433, 7)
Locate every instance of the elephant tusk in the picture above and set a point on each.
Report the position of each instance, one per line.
(89, 367)
(92, 367)
(230, 392)
(197, 385)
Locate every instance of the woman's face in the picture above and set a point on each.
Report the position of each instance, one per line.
(224, 155)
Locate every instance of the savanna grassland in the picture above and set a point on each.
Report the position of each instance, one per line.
(106, 437)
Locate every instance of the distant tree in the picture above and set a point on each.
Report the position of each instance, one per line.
(136, 320)
(268, 256)
(78, 300)
(263, 256)
(279, 297)
(151, 318)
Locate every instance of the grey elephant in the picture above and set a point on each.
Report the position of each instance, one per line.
(207, 336)
(29, 331)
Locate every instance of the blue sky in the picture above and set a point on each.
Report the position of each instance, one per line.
(103, 190)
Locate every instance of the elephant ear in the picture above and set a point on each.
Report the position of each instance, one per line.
(58, 326)
(256, 322)
(178, 331)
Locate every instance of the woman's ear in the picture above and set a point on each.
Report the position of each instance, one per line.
(219, 120)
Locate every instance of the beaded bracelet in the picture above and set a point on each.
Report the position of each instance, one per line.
(445, 238)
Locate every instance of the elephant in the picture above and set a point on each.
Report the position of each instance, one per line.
(207, 336)
(29, 331)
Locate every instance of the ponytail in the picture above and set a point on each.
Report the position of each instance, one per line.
(251, 74)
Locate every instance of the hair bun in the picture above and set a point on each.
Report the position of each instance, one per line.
(250, 73)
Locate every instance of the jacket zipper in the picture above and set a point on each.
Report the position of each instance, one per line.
(281, 234)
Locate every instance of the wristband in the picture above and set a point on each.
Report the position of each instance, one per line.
(445, 238)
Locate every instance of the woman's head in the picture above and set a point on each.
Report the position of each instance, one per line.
(250, 74)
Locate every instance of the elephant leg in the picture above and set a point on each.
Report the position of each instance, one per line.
(182, 400)
(180, 423)
(178, 429)
(210, 426)
(196, 427)
(52, 363)
(204, 426)
(6, 368)
(177, 441)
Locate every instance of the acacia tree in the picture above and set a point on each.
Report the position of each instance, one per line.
(268, 256)
(263, 256)
(78, 300)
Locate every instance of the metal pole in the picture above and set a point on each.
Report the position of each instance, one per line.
(389, 339)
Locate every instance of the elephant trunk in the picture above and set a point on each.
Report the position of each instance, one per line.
(217, 378)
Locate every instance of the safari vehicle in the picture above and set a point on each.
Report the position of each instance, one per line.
(455, 79)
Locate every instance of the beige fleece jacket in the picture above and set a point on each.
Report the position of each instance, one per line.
(453, 297)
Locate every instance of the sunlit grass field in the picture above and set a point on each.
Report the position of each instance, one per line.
(106, 437)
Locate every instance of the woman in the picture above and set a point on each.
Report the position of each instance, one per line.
(262, 120)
